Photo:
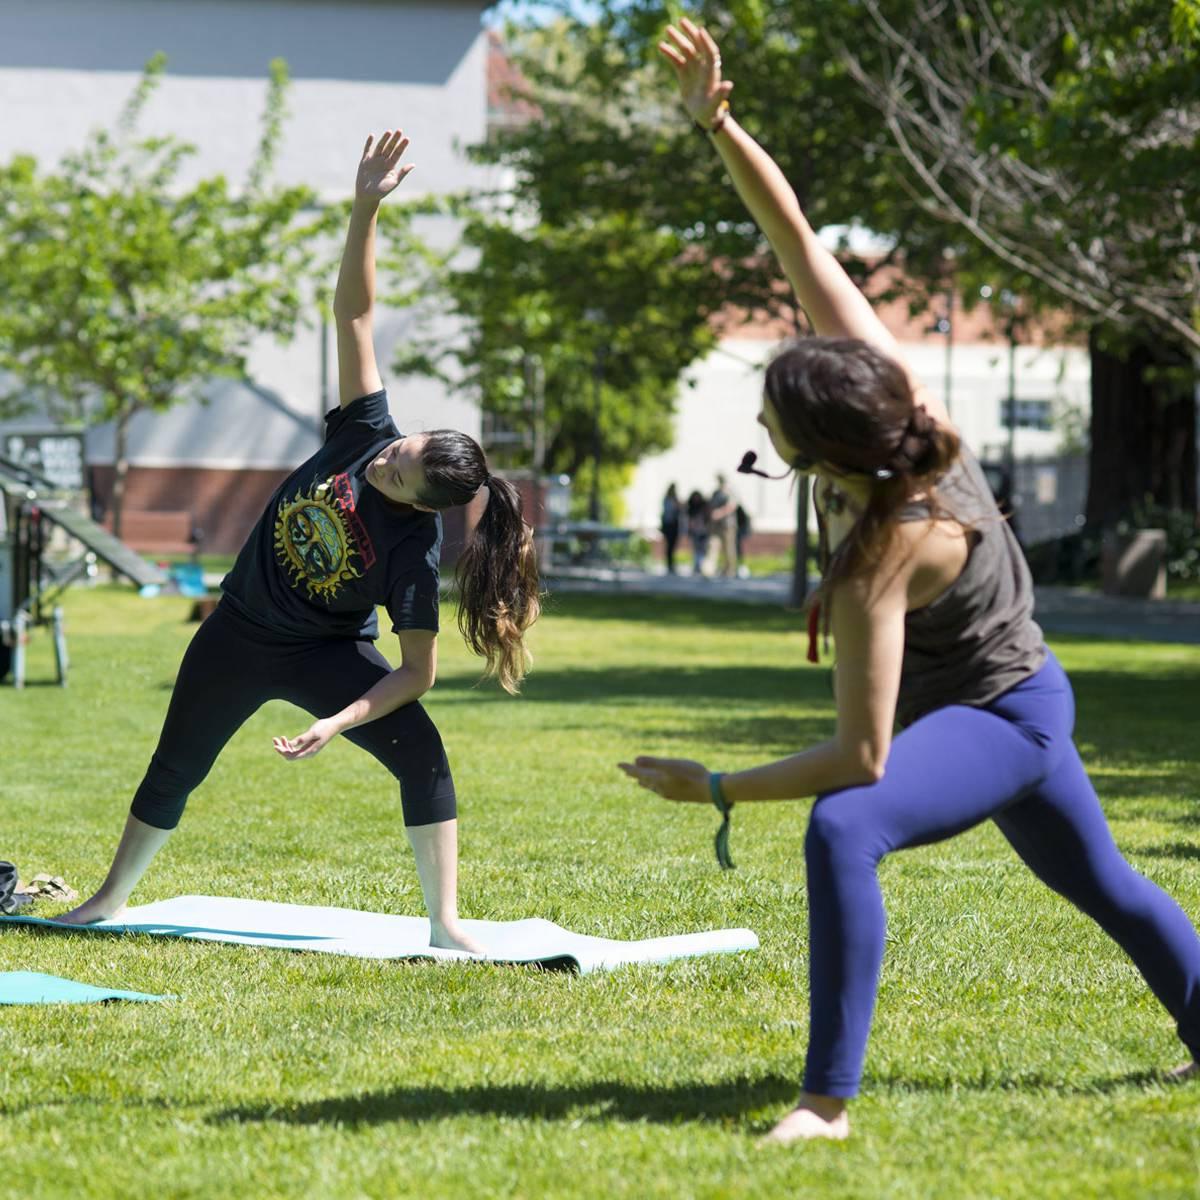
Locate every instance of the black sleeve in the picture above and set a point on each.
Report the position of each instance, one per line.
(366, 419)
(413, 601)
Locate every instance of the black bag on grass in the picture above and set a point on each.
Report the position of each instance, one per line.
(10, 901)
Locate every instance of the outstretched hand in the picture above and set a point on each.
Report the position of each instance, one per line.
(312, 741)
(379, 170)
(697, 62)
(672, 778)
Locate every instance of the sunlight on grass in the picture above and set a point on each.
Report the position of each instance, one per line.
(1013, 1049)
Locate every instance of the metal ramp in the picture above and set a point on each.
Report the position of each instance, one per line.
(102, 544)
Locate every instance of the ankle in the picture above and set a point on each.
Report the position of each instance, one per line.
(828, 1108)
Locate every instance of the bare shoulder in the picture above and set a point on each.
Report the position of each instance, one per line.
(934, 553)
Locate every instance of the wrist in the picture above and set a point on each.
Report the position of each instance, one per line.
(712, 120)
(718, 793)
(731, 788)
(339, 723)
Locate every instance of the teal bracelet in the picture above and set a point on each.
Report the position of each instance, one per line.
(721, 841)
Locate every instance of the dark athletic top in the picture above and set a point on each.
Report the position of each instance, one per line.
(978, 638)
(330, 547)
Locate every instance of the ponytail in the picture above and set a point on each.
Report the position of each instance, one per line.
(498, 586)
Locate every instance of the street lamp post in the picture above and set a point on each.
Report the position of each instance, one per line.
(597, 386)
(596, 317)
(1010, 301)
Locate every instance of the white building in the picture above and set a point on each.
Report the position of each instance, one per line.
(68, 66)
(715, 421)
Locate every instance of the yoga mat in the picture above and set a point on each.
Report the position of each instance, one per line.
(28, 987)
(377, 935)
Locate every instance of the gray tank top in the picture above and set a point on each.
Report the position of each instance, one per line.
(978, 638)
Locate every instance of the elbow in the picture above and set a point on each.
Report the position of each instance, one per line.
(415, 682)
(351, 316)
(873, 769)
(865, 764)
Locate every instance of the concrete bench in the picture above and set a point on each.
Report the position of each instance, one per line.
(156, 532)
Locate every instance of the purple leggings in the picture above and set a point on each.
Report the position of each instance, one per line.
(1015, 763)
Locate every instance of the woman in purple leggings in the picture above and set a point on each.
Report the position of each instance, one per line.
(930, 604)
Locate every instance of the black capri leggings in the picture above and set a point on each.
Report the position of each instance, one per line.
(229, 671)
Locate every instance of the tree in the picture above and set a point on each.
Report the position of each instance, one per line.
(601, 305)
(1050, 147)
(123, 291)
(1063, 139)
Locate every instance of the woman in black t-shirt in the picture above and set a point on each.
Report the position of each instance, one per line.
(354, 527)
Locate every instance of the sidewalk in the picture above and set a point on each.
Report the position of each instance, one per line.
(1058, 609)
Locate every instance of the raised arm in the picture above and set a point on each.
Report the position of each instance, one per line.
(379, 172)
(835, 306)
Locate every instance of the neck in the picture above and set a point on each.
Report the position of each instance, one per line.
(855, 487)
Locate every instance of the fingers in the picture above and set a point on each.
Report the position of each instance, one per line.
(396, 150)
(646, 775)
(293, 748)
(392, 145)
(672, 55)
(684, 44)
(708, 45)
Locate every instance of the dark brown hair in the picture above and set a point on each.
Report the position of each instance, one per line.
(498, 582)
(843, 403)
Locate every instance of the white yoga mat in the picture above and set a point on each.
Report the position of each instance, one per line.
(377, 935)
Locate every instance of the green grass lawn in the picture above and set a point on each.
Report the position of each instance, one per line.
(1014, 1048)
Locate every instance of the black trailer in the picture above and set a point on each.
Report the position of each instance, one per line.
(31, 583)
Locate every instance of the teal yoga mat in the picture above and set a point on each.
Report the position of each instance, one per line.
(379, 935)
(30, 987)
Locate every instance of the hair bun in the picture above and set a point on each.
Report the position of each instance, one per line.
(917, 452)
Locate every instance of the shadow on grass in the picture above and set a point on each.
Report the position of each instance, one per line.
(689, 686)
(603, 1100)
(608, 1100)
(1153, 797)
(772, 735)
(1027, 1084)
(1176, 850)
(675, 611)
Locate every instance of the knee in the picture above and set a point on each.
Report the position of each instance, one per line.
(833, 833)
(163, 794)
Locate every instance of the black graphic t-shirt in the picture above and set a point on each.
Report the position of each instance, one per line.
(330, 547)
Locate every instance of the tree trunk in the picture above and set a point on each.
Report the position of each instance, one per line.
(120, 468)
(1143, 432)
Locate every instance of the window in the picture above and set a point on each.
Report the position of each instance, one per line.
(1030, 414)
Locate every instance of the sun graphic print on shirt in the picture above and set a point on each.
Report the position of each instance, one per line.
(313, 542)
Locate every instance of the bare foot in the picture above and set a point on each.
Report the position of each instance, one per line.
(813, 1117)
(1187, 1071)
(91, 911)
(453, 937)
